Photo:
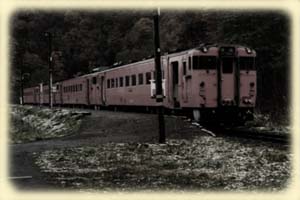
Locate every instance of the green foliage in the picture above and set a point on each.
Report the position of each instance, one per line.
(91, 39)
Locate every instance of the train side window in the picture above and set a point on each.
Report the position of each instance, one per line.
(127, 80)
(148, 77)
(195, 62)
(117, 82)
(112, 83)
(141, 79)
(121, 81)
(80, 87)
(184, 68)
(76, 87)
(133, 79)
(154, 75)
(94, 80)
(190, 63)
(108, 83)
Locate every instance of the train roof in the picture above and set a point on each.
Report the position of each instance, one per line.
(164, 56)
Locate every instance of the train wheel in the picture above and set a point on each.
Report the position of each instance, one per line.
(196, 115)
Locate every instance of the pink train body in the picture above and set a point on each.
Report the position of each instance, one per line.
(211, 80)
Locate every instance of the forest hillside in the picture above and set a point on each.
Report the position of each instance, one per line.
(85, 40)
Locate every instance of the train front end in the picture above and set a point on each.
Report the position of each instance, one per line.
(225, 77)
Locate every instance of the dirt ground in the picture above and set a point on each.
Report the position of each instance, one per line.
(98, 128)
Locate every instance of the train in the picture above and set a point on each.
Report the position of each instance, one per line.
(212, 82)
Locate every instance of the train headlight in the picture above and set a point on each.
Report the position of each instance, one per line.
(204, 49)
(248, 50)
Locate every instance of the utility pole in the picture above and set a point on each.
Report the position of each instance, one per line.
(22, 84)
(158, 81)
(49, 36)
(23, 48)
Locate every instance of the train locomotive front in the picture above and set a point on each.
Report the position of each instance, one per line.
(222, 84)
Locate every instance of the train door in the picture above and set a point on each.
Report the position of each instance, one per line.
(88, 91)
(227, 80)
(102, 90)
(184, 81)
(175, 78)
(61, 94)
(35, 95)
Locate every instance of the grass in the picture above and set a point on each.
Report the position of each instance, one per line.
(205, 163)
(30, 123)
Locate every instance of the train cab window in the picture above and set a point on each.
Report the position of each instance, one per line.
(57, 87)
(133, 79)
(112, 83)
(184, 68)
(141, 79)
(121, 81)
(227, 65)
(204, 62)
(208, 62)
(117, 82)
(108, 83)
(148, 77)
(246, 63)
(127, 80)
(190, 63)
(94, 80)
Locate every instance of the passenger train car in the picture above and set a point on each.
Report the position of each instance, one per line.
(214, 82)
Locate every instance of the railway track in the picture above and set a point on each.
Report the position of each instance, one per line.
(253, 134)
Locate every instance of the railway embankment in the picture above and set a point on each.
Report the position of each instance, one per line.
(31, 123)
